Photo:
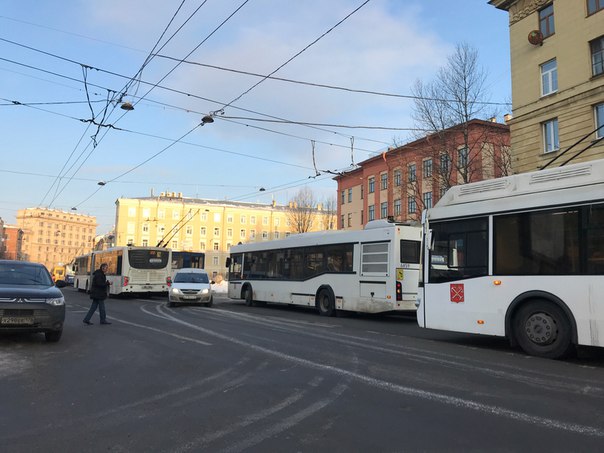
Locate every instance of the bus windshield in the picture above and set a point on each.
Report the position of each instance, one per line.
(148, 259)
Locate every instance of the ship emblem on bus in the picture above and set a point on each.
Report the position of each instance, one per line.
(457, 295)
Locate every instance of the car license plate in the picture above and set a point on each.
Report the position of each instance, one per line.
(147, 287)
(189, 297)
(17, 320)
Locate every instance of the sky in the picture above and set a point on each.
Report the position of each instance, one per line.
(64, 71)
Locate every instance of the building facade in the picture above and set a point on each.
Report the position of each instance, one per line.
(11, 243)
(557, 61)
(403, 181)
(201, 225)
(54, 237)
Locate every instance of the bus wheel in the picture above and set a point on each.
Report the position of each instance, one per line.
(542, 329)
(326, 303)
(248, 296)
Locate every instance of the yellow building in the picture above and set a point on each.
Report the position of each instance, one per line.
(54, 237)
(200, 225)
(557, 60)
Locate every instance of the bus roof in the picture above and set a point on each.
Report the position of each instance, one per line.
(575, 183)
(374, 230)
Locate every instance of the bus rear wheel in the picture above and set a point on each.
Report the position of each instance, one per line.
(326, 303)
(542, 329)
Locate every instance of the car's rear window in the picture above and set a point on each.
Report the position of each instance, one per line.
(24, 274)
(191, 277)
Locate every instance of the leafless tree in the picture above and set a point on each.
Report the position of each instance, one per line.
(329, 211)
(451, 100)
(302, 210)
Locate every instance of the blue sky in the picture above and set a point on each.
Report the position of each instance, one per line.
(46, 52)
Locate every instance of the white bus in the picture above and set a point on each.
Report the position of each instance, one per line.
(130, 269)
(520, 257)
(372, 270)
(82, 268)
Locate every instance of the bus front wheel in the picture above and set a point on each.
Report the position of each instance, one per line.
(542, 329)
(248, 296)
(326, 303)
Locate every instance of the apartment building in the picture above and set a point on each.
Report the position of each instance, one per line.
(10, 243)
(557, 61)
(202, 225)
(54, 237)
(403, 181)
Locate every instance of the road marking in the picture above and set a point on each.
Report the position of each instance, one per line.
(408, 391)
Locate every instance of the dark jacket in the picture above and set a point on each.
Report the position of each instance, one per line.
(98, 287)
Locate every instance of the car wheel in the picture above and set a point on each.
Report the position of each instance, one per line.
(211, 302)
(542, 329)
(326, 303)
(53, 336)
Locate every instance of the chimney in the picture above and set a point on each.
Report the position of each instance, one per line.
(507, 117)
(493, 119)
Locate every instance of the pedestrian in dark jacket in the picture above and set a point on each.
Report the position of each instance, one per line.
(98, 294)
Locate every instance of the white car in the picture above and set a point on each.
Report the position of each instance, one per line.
(190, 285)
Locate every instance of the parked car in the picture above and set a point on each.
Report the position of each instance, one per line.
(29, 300)
(190, 285)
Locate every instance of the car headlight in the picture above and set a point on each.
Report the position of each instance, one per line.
(205, 291)
(56, 301)
(175, 291)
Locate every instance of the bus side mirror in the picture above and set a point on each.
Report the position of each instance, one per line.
(429, 240)
(228, 262)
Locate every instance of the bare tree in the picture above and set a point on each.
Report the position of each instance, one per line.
(446, 106)
(329, 211)
(302, 210)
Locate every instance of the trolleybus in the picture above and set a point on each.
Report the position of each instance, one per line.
(520, 257)
(371, 270)
(130, 269)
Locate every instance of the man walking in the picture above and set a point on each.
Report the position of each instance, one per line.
(98, 294)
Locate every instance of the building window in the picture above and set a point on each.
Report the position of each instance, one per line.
(131, 212)
(343, 195)
(265, 235)
(216, 246)
(445, 164)
(599, 112)
(145, 227)
(362, 217)
(229, 232)
(597, 56)
(412, 174)
(175, 244)
(427, 200)
(349, 195)
(202, 231)
(411, 205)
(384, 181)
(202, 246)
(204, 216)
(276, 235)
(384, 210)
(230, 218)
(549, 77)
(252, 234)
(277, 221)
(215, 260)
(427, 168)
(253, 220)
(362, 190)
(342, 221)
(397, 178)
(371, 213)
(462, 157)
(189, 230)
(242, 220)
(594, 6)
(397, 207)
(550, 136)
(145, 243)
(264, 220)
(546, 21)
(349, 219)
(371, 187)
(216, 231)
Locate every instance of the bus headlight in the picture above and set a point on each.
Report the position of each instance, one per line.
(56, 302)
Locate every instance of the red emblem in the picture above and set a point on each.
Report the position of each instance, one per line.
(457, 292)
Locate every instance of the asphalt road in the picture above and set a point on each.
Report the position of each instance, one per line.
(280, 379)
